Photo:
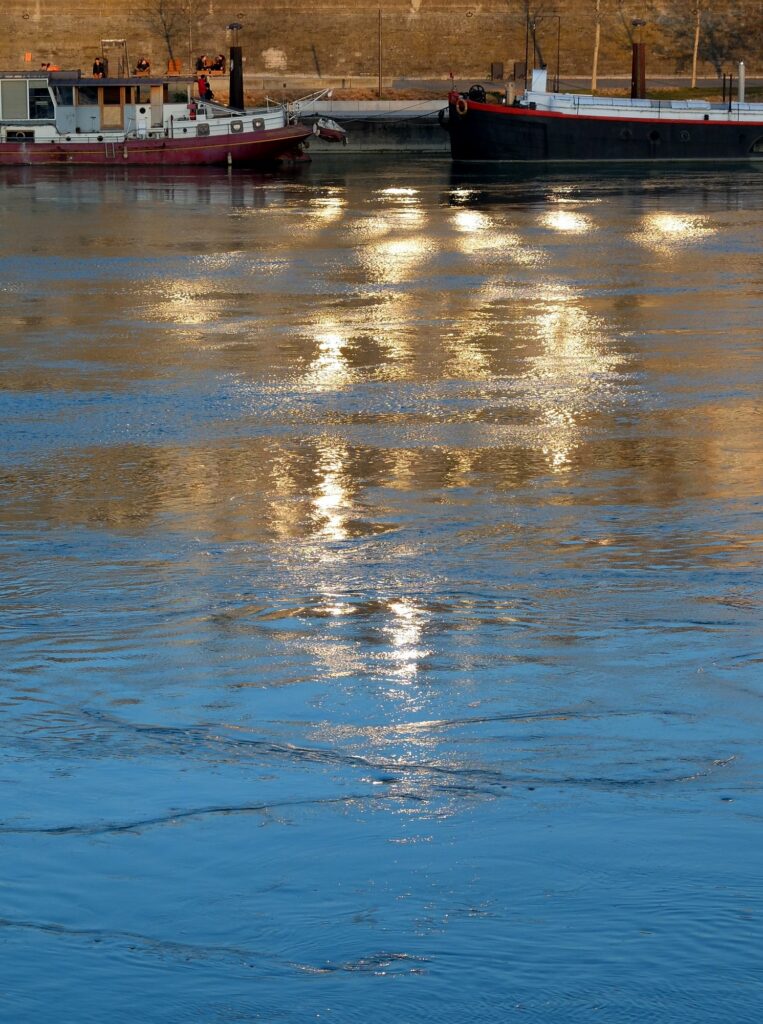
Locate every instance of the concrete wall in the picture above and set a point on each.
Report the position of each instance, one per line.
(336, 39)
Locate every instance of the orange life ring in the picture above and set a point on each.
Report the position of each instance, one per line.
(461, 105)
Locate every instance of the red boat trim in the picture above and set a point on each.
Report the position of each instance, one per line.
(499, 108)
(272, 143)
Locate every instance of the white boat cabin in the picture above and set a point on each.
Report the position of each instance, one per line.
(43, 105)
(63, 107)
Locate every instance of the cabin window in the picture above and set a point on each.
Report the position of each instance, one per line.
(143, 94)
(111, 96)
(40, 102)
(87, 96)
(64, 95)
(14, 100)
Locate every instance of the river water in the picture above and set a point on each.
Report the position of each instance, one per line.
(380, 596)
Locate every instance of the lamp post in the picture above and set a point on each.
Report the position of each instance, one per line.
(638, 62)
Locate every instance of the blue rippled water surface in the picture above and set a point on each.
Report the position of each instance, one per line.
(380, 597)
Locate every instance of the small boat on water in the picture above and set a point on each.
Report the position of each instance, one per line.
(547, 126)
(60, 117)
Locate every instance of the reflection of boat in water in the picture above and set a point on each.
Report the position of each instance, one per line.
(192, 187)
(477, 184)
(546, 126)
(58, 117)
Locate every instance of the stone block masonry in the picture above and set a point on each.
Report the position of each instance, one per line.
(417, 39)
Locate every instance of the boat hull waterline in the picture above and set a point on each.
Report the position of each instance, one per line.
(248, 148)
(494, 132)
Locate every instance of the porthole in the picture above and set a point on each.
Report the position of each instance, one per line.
(626, 133)
(237, 126)
(654, 136)
(685, 136)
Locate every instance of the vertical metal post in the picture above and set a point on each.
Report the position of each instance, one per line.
(380, 53)
(535, 40)
(638, 63)
(558, 48)
(236, 73)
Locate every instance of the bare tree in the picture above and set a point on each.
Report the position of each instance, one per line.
(625, 19)
(167, 19)
(633, 14)
(696, 33)
(721, 42)
(534, 12)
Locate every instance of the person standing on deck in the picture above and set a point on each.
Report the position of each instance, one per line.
(205, 92)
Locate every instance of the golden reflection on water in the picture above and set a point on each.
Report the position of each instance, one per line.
(395, 260)
(497, 314)
(665, 232)
(366, 228)
(327, 207)
(184, 303)
(466, 359)
(574, 372)
(567, 221)
(396, 343)
(331, 500)
(403, 207)
(282, 496)
(480, 235)
(330, 369)
(471, 220)
(397, 368)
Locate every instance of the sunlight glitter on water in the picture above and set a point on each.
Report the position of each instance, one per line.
(380, 596)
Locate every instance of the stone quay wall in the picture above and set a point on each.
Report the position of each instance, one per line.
(416, 39)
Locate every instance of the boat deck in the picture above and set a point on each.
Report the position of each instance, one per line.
(648, 109)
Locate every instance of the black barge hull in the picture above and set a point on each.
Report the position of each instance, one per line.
(486, 131)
